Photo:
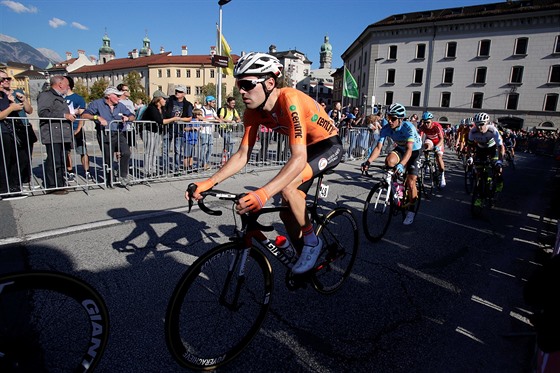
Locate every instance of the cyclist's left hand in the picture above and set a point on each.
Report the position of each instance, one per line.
(499, 164)
(436, 149)
(400, 169)
(252, 201)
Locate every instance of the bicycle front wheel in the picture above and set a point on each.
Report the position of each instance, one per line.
(469, 179)
(218, 306)
(428, 179)
(340, 235)
(50, 322)
(378, 211)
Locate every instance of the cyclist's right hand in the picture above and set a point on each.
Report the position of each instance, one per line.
(400, 169)
(201, 186)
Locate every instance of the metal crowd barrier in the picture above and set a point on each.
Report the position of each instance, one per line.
(128, 154)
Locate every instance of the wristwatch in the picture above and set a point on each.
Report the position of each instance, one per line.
(95, 117)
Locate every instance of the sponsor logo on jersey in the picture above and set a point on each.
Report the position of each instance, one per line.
(314, 118)
(295, 120)
(322, 163)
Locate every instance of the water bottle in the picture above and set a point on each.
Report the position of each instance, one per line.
(285, 246)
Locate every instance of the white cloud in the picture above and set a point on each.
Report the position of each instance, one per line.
(79, 26)
(19, 7)
(56, 22)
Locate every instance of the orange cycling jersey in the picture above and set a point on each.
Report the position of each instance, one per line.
(295, 114)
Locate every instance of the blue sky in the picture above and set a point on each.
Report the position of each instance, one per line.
(248, 25)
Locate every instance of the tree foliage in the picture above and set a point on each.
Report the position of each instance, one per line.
(137, 90)
(81, 89)
(97, 89)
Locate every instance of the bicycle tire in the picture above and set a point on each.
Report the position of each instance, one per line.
(50, 322)
(340, 235)
(378, 211)
(469, 179)
(478, 193)
(419, 192)
(428, 182)
(202, 330)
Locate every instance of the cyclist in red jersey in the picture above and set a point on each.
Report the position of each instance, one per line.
(314, 146)
(434, 140)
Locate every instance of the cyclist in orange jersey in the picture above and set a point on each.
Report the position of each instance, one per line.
(314, 145)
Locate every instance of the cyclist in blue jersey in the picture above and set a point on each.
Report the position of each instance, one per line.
(405, 154)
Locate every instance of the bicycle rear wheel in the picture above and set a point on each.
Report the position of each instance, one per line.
(340, 235)
(378, 211)
(50, 322)
(214, 312)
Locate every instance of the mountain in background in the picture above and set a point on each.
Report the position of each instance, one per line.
(13, 50)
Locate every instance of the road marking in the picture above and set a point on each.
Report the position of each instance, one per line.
(85, 227)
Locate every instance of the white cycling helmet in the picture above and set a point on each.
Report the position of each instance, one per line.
(255, 63)
(481, 118)
(397, 110)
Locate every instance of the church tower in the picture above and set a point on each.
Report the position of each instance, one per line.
(106, 53)
(326, 54)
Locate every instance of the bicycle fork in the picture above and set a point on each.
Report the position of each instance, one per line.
(234, 280)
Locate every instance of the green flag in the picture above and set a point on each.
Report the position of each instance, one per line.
(350, 88)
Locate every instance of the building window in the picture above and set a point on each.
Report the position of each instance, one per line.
(365, 58)
(521, 46)
(415, 99)
(198, 74)
(418, 75)
(178, 73)
(480, 75)
(388, 98)
(557, 45)
(445, 99)
(159, 73)
(159, 87)
(391, 76)
(451, 50)
(198, 90)
(550, 102)
(554, 76)
(512, 100)
(392, 52)
(448, 75)
(212, 74)
(188, 90)
(478, 97)
(168, 73)
(420, 51)
(188, 73)
(484, 48)
(516, 75)
(363, 80)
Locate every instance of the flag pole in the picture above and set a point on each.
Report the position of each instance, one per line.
(343, 85)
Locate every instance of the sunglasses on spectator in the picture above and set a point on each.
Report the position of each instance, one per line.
(4, 79)
(248, 85)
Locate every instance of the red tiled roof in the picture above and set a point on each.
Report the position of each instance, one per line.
(155, 59)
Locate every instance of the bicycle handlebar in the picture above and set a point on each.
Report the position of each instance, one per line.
(211, 192)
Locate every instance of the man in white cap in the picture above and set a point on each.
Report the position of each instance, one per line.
(110, 114)
(178, 107)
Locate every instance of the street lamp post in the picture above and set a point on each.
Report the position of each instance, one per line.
(221, 3)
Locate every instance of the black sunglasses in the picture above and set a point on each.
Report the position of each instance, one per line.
(248, 85)
(3, 79)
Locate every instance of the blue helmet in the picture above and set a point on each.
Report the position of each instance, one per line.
(210, 98)
(427, 115)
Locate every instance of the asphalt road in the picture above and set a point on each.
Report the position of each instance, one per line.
(442, 295)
